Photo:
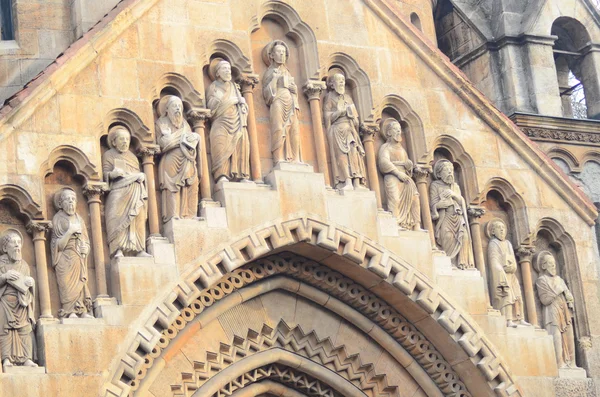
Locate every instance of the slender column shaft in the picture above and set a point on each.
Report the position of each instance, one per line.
(313, 90)
(525, 253)
(475, 213)
(421, 173)
(38, 229)
(368, 132)
(93, 192)
(147, 154)
(248, 83)
(197, 118)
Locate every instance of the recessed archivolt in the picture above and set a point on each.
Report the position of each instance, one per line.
(566, 156)
(358, 79)
(179, 85)
(132, 122)
(475, 359)
(22, 199)
(74, 156)
(230, 52)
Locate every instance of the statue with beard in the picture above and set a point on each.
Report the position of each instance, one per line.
(16, 302)
(229, 143)
(70, 247)
(396, 168)
(177, 172)
(506, 290)
(341, 122)
(281, 95)
(557, 301)
(449, 211)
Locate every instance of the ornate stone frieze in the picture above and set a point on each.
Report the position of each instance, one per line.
(561, 135)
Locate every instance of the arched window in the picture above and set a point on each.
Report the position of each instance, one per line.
(415, 20)
(6, 20)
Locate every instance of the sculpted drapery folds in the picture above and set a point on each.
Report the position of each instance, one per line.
(558, 304)
(127, 201)
(281, 95)
(177, 172)
(70, 247)
(449, 211)
(396, 168)
(341, 122)
(16, 303)
(229, 143)
(506, 291)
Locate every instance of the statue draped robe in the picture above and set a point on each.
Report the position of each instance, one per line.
(501, 260)
(283, 104)
(229, 143)
(342, 133)
(451, 232)
(177, 171)
(402, 197)
(16, 316)
(126, 204)
(70, 264)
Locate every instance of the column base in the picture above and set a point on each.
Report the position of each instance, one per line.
(571, 373)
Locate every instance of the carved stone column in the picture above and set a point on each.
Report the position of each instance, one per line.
(421, 173)
(476, 212)
(147, 154)
(38, 230)
(248, 82)
(525, 254)
(197, 118)
(312, 90)
(93, 191)
(368, 131)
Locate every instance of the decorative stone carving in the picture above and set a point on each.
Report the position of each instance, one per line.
(127, 200)
(397, 168)
(177, 173)
(345, 146)
(557, 312)
(449, 211)
(229, 143)
(561, 135)
(70, 247)
(506, 291)
(16, 301)
(281, 95)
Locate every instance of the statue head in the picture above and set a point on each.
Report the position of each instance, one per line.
(497, 228)
(11, 243)
(444, 171)
(119, 138)
(175, 110)
(337, 83)
(278, 52)
(546, 263)
(392, 130)
(223, 71)
(66, 200)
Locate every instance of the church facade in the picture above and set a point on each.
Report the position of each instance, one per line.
(299, 198)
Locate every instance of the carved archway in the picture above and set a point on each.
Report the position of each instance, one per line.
(357, 79)
(18, 196)
(566, 156)
(442, 338)
(76, 157)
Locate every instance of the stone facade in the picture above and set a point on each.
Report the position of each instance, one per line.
(275, 278)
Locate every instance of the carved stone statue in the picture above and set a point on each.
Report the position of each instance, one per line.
(229, 143)
(281, 95)
(16, 301)
(70, 247)
(396, 168)
(506, 291)
(177, 173)
(341, 121)
(127, 202)
(558, 304)
(449, 211)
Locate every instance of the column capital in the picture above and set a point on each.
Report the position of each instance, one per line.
(37, 228)
(94, 189)
(525, 253)
(368, 130)
(148, 151)
(313, 89)
(248, 82)
(421, 172)
(475, 212)
(198, 116)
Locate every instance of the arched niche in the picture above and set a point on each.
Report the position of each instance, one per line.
(73, 155)
(22, 202)
(566, 156)
(550, 235)
(229, 51)
(416, 21)
(296, 30)
(357, 81)
(448, 147)
(176, 84)
(140, 134)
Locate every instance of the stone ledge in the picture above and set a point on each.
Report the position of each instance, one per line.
(572, 373)
(20, 370)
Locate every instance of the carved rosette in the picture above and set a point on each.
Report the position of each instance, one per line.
(93, 190)
(525, 253)
(313, 90)
(367, 131)
(197, 117)
(248, 82)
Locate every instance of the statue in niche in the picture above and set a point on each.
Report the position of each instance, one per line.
(229, 143)
(341, 122)
(449, 211)
(281, 95)
(396, 168)
(127, 201)
(557, 312)
(70, 247)
(177, 172)
(506, 291)
(16, 300)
